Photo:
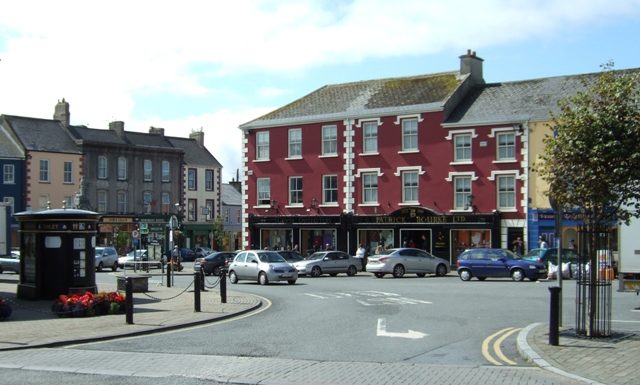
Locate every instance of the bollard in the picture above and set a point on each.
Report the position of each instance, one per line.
(202, 286)
(223, 285)
(168, 274)
(128, 302)
(554, 315)
(196, 292)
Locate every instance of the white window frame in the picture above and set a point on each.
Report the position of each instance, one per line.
(451, 136)
(11, 202)
(122, 168)
(263, 192)
(329, 190)
(368, 187)
(330, 140)
(499, 147)
(67, 172)
(103, 167)
(463, 195)
(166, 202)
(371, 137)
(8, 174)
(414, 191)
(44, 170)
(296, 191)
(295, 143)
(147, 170)
(102, 201)
(462, 151)
(509, 194)
(262, 146)
(409, 137)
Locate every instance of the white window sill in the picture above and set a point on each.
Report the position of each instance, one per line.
(261, 160)
(409, 152)
(461, 211)
(294, 158)
(507, 209)
(328, 156)
(461, 163)
(409, 203)
(369, 205)
(294, 206)
(329, 205)
(505, 161)
(368, 153)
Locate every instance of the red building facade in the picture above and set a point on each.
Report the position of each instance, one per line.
(376, 162)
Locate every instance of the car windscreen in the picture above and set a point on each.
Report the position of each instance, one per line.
(270, 257)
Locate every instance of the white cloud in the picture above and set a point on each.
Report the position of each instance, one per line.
(104, 56)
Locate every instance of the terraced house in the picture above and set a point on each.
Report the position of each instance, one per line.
(438, 161)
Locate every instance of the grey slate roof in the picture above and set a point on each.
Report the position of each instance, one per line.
(194, 154)
(230, 196)
(365, 98)
(42, 135)
(9, 149)
(526, 100)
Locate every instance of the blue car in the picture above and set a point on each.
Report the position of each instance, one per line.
(498, 263)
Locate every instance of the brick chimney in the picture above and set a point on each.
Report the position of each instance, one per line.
(118, 127)
(156, 130)
(198, 136)
(61, 112)
(471, 64)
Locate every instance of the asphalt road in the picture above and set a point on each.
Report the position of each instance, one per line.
(366, 319)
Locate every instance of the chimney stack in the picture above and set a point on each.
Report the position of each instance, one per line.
(156, 130)
(198, 136)
(118, 127)
(61, 112)
(472, 65)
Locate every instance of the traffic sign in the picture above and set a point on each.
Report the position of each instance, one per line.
(144, 229)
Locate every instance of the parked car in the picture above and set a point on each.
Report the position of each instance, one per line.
(214, 262)
(201, 252)
(187, 255)
(328, 262)
(290, 255)
(138, 259)
(10, 263)
(106, 256)
(497, 263)
(262, 265)
(551, 255)
(407, 260)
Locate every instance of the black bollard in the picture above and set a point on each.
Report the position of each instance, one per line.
(196, 292)
(168, 274)
(554, 315)
(202, 286)
(128, 302)
(223, 285)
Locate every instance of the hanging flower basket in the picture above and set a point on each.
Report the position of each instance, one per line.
(88, 304)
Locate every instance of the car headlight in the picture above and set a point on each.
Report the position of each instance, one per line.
(533, 267)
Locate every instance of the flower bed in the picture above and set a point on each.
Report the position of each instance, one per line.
(89, 304)
(5, 309)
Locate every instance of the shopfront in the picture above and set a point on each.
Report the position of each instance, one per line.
(443, 235)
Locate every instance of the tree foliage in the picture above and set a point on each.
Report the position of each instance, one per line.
(218, 232)
(592, 161)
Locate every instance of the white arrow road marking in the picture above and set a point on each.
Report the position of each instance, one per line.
(382, 331)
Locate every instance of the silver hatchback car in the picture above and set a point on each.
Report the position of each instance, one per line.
(407, 260)
(262, 265)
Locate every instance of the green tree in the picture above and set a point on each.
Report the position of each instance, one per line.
(592, 162)
(218, 233)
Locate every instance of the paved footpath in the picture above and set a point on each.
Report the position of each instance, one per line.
(33, 339)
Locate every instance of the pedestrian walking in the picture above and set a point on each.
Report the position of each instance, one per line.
(361, 254)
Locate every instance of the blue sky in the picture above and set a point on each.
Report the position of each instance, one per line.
(213, 65)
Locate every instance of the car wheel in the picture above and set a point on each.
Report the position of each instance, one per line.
(100, 266)
(262, 278)
(292, 282)
(352, 270)
(379, 275)
(441, 270)
(398, 271)
(421, 275)
(465, 275)
(233, 278)
(114, 267)
(316, 271)
(216, 271)
(517, 275)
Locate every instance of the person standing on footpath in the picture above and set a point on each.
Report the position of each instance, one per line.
(361, 254)
(518, 246)
(543, 242)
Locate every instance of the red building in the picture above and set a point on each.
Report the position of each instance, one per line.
(377, 162)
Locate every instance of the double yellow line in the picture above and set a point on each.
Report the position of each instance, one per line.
(499, 336)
